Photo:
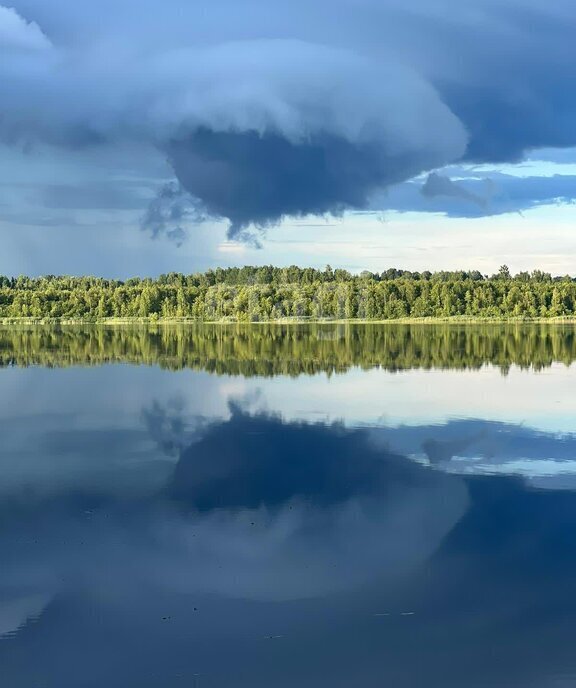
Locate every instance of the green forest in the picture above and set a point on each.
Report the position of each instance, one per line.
(292, 349)
(261, 294)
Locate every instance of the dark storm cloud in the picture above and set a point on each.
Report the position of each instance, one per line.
(168, 211)
(272, 110)
(439, 185)
(471, 197)
(325, 174)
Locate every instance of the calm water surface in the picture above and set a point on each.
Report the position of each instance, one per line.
(308, 506)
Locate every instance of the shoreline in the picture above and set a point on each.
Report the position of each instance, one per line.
(448, 320)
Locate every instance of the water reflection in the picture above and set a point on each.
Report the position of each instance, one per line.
(296, 552)
(267, 350)
(254, 508)
(151, 535)
(468, 446)
(294, 510)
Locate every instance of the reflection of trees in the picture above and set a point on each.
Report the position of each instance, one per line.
(267, 350)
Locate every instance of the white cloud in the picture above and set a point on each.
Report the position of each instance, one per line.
(16, 32)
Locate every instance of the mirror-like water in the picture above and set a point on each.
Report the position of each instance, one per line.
(256, 506)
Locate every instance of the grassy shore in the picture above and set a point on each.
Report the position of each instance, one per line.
(461, 320)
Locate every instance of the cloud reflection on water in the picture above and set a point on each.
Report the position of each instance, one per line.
(256, 507)
(331, 542)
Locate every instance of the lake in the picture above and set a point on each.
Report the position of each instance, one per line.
(288, 505)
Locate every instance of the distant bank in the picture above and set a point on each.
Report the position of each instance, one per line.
(135, 321)
(291, 295)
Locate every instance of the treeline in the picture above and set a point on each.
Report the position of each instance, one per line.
(270, 293)
(292, 350)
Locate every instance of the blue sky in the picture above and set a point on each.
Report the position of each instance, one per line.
(364, 134)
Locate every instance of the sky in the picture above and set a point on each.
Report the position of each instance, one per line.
(367, 134)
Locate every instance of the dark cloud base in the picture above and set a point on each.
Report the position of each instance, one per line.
(253, 178)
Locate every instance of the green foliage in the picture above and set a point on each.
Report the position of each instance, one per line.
(256, 294)
(291, 349)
